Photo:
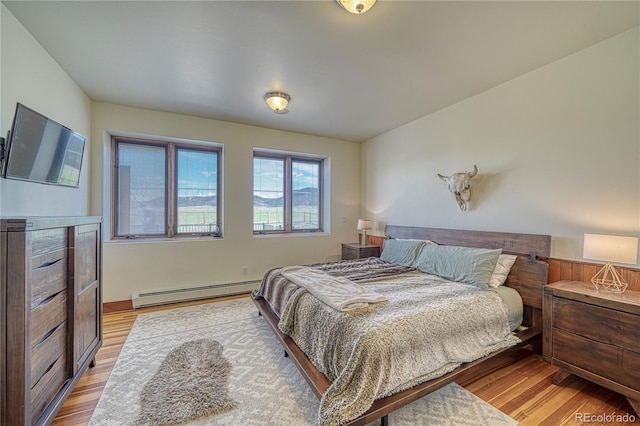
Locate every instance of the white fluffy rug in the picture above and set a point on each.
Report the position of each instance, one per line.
(267, 386)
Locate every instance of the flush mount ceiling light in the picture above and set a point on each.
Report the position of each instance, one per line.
(277, 101)
(357, 6)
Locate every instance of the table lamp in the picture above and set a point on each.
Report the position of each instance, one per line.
(610, 248)
(364, 225)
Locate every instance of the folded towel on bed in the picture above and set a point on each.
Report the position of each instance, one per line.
(340, 293)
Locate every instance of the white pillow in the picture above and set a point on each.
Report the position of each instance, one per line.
(499, 276)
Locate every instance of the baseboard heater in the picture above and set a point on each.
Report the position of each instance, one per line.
(161, 297)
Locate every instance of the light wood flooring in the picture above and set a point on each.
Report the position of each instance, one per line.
(522, 388)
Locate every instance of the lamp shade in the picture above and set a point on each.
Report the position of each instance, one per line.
(364, 224)
(610, 248)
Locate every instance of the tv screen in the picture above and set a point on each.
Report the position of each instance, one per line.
(41, 150)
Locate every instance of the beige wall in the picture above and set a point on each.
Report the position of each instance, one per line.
(557, 151)
(30, 76)
(142, 266)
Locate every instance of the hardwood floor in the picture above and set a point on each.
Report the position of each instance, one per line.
(521, 388)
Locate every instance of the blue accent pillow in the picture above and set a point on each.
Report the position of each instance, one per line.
(461, 264)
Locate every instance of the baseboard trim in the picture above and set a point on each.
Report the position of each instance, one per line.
(127, 305)
(122, 305)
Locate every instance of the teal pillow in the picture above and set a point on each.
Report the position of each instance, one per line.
(461, 264)
(402, 252)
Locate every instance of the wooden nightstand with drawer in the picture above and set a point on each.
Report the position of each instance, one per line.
(594, 334)
(359, 251)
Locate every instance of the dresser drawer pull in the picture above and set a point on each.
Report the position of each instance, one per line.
(44, 374)
(48, 299)
(47, 264)
(46, 336)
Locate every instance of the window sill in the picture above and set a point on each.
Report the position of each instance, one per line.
(187, 238)
(291, 235)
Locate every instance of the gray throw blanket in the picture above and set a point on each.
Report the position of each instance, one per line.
(338, 292)
(428, 327)
(276, 289)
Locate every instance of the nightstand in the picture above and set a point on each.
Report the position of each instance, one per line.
(358, 251)
(594, 334)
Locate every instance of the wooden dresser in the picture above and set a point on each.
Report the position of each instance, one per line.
(51, 311)
(594, 334)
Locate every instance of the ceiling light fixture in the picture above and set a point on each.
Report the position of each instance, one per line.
(357, 6)
(277, 101)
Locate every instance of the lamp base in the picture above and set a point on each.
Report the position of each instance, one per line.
(609, 279)
(363, 240)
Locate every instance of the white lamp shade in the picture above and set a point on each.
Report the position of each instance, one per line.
(364, 224)
(610, 248)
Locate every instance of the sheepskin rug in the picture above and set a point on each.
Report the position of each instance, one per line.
(191, 383)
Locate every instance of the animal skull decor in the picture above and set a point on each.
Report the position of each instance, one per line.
(458, 184)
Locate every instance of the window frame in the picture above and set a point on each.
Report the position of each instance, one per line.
(171, 148)
(288, 159)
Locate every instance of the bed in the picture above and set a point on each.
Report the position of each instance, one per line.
(364, 364)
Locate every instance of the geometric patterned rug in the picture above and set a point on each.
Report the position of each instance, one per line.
(267, 386)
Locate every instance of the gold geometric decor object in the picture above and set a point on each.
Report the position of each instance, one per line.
(610, 248)
(609, 279)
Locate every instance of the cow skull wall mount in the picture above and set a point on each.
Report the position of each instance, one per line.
(458, 184)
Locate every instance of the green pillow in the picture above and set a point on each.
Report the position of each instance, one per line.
(461, 264)
(402, 252)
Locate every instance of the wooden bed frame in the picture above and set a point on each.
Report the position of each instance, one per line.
(528, 276)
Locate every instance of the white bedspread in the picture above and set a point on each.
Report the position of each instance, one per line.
(340, 293)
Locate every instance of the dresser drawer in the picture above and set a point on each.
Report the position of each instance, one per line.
(47, 316)
(44, 391)
(49, 278)
(46, 352)
(609, 361)
(44, 242)
(597, 323)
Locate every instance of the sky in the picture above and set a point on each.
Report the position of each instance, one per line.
(198, 171)
(269, 176)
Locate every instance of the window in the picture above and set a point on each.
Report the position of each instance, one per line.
(287, 193)
(165, 189)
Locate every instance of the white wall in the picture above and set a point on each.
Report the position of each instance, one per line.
(30, 76)
(557, 151)
(142, 266)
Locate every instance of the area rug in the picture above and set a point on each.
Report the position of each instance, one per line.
(266, 386)
(191, 383)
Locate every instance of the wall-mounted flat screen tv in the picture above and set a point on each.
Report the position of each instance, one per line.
(41, 150)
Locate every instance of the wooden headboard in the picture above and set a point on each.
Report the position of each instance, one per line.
(520, 244)
(528, 275)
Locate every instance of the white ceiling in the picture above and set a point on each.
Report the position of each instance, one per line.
(350, 77)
